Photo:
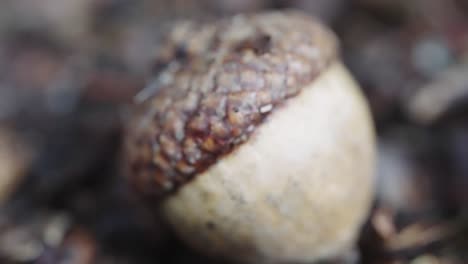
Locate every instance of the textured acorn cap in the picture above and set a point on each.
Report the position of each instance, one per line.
(258, 139)
(216, 83)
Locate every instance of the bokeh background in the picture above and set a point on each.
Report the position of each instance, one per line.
(68, 73)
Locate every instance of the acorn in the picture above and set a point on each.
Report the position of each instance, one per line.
(254, 141)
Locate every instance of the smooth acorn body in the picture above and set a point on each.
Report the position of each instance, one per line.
(291, 180)
(297, 191)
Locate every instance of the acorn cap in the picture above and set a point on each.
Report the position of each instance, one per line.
(216, 84)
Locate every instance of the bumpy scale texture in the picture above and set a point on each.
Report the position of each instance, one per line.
(215, 83)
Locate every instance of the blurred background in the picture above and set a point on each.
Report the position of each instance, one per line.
(70, 68)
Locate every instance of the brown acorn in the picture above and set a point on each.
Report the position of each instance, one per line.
(255, 139)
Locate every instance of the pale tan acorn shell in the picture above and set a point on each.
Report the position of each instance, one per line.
(298, 191)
